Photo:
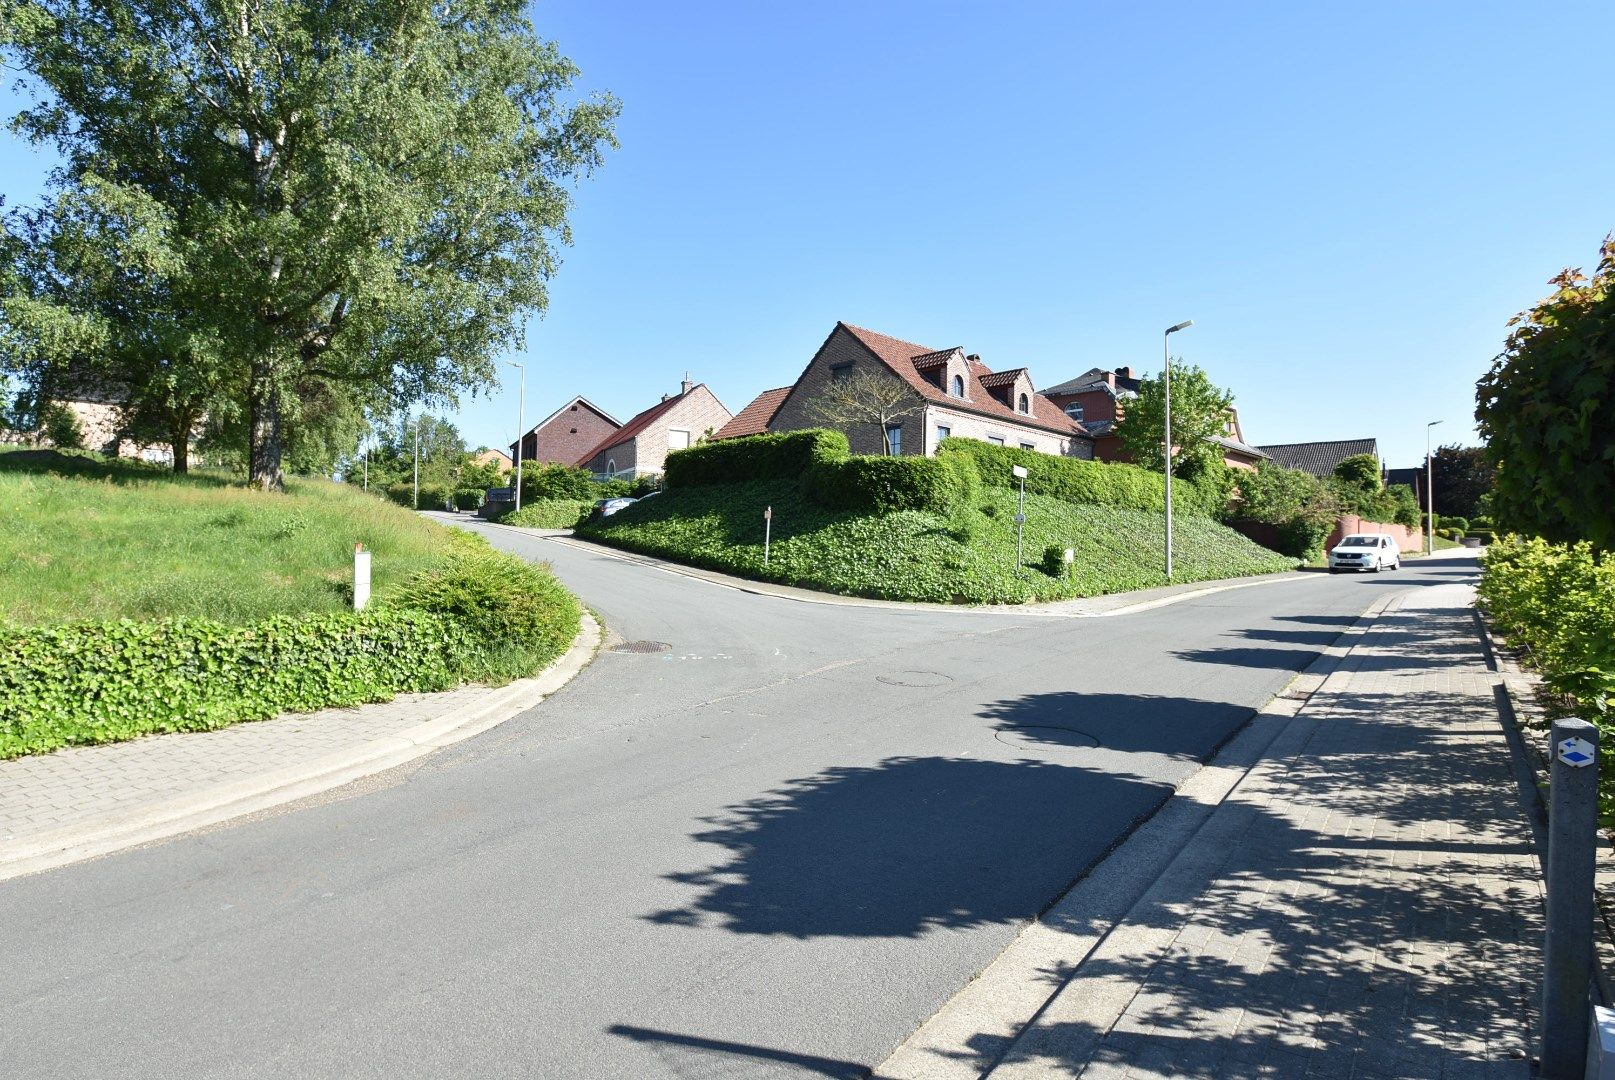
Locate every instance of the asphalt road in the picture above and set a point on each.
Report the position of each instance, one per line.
(770, 850)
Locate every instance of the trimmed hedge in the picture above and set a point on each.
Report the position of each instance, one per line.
(1085, 483)
(550, 514)
(467, 498)
(780, 455)
(480, 616)
(884, 485)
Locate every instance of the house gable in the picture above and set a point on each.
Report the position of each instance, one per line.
(567, 432)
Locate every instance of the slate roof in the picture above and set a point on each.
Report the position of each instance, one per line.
(636, 425)
(1092, 379)
(1243, 448)
(754, 418)
(901, 357)
(1319, 458)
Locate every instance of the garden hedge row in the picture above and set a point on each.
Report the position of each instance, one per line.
(883, 485)
(1085, 483)
(780, 455)
(481, 615)
(550, 514)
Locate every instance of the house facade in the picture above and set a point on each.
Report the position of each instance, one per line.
(1097, 399)
(568, 433)
(640, 447)
(950, 394)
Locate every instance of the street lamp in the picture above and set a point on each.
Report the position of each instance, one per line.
(1166, 348)
(1429, 493)
(418, 459)
(521, 427)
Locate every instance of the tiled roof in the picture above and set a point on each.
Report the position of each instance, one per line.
(636, 425)
(1002, 378)
(1319, 458)
(1243, 448)
(754, 418)
(899, 355)
(934, 359)
(1092, 379)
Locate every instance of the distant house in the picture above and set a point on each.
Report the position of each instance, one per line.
(1097, 399)
(567, 434)
(640, 447)
(755, 418)
(1320, 458)
(953, 395)
(494, 457)
(1413, 478)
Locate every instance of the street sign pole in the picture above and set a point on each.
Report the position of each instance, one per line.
(1567, 947)
(1020, 516)
(768, 531)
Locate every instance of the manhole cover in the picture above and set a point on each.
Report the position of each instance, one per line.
(914, 678)
(641, 646)
(1044, 739)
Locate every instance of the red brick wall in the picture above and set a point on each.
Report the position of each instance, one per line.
(574, 432)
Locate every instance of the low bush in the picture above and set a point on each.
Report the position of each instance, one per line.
(467, 498)
(883, 485)
(1558, 601)
(1084, 483)
(550, 514)
(777, 455)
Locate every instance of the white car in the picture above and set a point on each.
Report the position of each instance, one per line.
(1365, 551)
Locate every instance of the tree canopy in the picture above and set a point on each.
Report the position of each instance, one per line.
(1199, 414)
(1547, 411)
(1463, 476)
(267, 204)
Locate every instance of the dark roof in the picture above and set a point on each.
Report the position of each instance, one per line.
(901, 357)
(1238, 447)
(636, 425)
(1092, 379)
(1319, 458)
(754, 418)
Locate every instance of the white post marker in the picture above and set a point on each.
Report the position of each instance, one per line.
(1020, 517)
(768, 531)
(1070, 560)
(361, 577)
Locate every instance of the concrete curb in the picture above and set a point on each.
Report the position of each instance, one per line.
(972, 1033)
(171, 817)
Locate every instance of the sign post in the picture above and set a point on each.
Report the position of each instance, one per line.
(768, 531)
(1567, 946)
(361, 577)
(1020, 516)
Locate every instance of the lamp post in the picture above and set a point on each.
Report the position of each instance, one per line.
(521, 427)
(418, 461)
(1429, 493)
(1166, 349)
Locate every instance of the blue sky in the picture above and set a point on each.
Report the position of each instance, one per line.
(1349, 200)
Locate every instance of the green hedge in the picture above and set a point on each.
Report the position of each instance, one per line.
(431, 497)
(550, 514)
(884, 485)
(482, 615)
(467, 498)
(1085, 483)
(781, 455)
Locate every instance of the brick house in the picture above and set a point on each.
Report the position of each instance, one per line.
(639, 447)
(1097, 399)
(953, 395)
(568, 433)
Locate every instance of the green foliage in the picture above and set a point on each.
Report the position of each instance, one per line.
(966, 555)
(1303, 507)
(1054, 561)
(755, 457)
(61, 426)
(1547, 412)
(1558, 601)
(550, 514)
(1361, 471)
(1462, 477)
(1199, 414)
(365, 195)
(553, 481)
(1445, 521)
(1086, 483)
(468, 498)
(1406, 505)
(882, 485)
(480, 476)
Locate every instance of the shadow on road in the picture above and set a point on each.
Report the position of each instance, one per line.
(697, 1048)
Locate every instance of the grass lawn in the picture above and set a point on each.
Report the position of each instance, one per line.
(967, 557)
(88, 538)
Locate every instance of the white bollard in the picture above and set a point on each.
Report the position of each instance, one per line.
(361, 577)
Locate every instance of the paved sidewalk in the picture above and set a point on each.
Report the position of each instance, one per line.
(1365, 903)
(88, 800)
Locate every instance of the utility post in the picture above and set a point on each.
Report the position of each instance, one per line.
(1166, 377)
(521, 427)
(1429, 493)
(418, 461)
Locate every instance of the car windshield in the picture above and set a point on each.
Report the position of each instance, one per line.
(1360, 541)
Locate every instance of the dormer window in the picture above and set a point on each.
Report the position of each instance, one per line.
(957, 386)
(1023, 404)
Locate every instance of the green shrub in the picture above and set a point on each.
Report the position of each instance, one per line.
(882, 485)
(1054, 561)
(467, 498)
(1361, 471)
(61, 426)
(1086, 483)
(550, 514)
(553, 481)
(432, 497)
(776, 455)
(1461, 524)
(1302, 537)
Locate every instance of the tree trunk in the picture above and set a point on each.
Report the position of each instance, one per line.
(264, 434)
(179, 442)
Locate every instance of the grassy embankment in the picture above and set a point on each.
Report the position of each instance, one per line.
(967, 556)
(135, 601)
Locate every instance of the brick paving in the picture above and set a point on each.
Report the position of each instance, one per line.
(79, 785)
(1365, 903)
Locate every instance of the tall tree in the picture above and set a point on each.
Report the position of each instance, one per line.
(1199, 414)
(1547, 411)
(369, 194)
(1463, 475)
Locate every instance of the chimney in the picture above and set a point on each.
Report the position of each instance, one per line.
(686, 386)
(1110, 379)
(1126, 373)
(974, 358)
(666, 396)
